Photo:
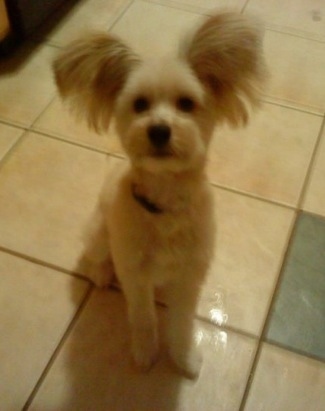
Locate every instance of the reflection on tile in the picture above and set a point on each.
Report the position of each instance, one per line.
(251, 239)
(52, 188)
(8, 137)
(93, 371)
(157, 27)
(286, 381)
(36, 305)
(295, 80)
(26, 85)
(305, 18)
(297, 319)
(255, 159)
(57, 120)
(315, 196)
(88, 15)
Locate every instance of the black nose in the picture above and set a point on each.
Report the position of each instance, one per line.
(159, 135)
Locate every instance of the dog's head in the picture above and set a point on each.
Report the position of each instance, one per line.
(166, 109)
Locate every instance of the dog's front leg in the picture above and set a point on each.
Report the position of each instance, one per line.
(181, 300)
(142, 318)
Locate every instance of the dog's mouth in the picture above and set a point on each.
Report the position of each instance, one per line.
(161, 153)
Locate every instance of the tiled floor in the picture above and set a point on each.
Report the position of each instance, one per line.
(262, 313)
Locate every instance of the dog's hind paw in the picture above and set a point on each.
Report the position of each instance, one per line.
(101, 274)
(145, 360)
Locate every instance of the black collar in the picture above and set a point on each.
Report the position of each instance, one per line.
(145, 203)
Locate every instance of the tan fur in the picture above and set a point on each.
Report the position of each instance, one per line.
(90, 72)
(226, 54)
(216, 75)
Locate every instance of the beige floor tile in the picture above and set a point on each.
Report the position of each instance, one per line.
(51, 188)
(305, 18)
(251, 241)
(202, 5)
(297, 71)
(315, 195)
(150, 26)
(58, 121)
(36, 305)
(26, 85)
(286, 381)
(93, 371)
(270, 157)
(86, 16)
(8, 137)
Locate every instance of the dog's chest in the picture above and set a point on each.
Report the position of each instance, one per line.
(172, 246)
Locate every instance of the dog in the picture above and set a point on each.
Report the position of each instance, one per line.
(155, 224)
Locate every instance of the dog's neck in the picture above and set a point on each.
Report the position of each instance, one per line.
(146, 203)
(160, 193)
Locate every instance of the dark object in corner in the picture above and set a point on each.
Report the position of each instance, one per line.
(24, 17)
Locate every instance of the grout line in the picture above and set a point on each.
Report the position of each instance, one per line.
(122, 157)
(296, 351)
(58, 348)
(176, 5)
(115, 286)
(90, 288)
(225, 327)
(313, 214)
(43, 263)
(43, 110)
(120, 16)
(78, 144)
(72, 142)
(311, 166)
(286, 30)
(243, 9)
(290, 105)
(54, 20)
(253, 196)
(12, 149)
(11, 123)
(262, 338)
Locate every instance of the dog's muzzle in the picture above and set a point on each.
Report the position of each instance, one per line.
(159, 135)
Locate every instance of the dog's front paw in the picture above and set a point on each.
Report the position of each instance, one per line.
(189, 362)
(145, 350)
(145, 358)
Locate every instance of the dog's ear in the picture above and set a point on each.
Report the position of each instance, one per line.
(226, 54)
(90, 72)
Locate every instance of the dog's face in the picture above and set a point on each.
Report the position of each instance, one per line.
(166, 109)
(163, 116)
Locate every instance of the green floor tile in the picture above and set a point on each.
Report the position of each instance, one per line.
(298, 315)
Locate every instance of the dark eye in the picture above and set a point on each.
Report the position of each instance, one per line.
(185, 104)
(141, 104)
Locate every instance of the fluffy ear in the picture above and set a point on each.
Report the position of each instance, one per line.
(90, 72)
(226, 55)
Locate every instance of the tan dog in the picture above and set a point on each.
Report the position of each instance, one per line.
(155, 224)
